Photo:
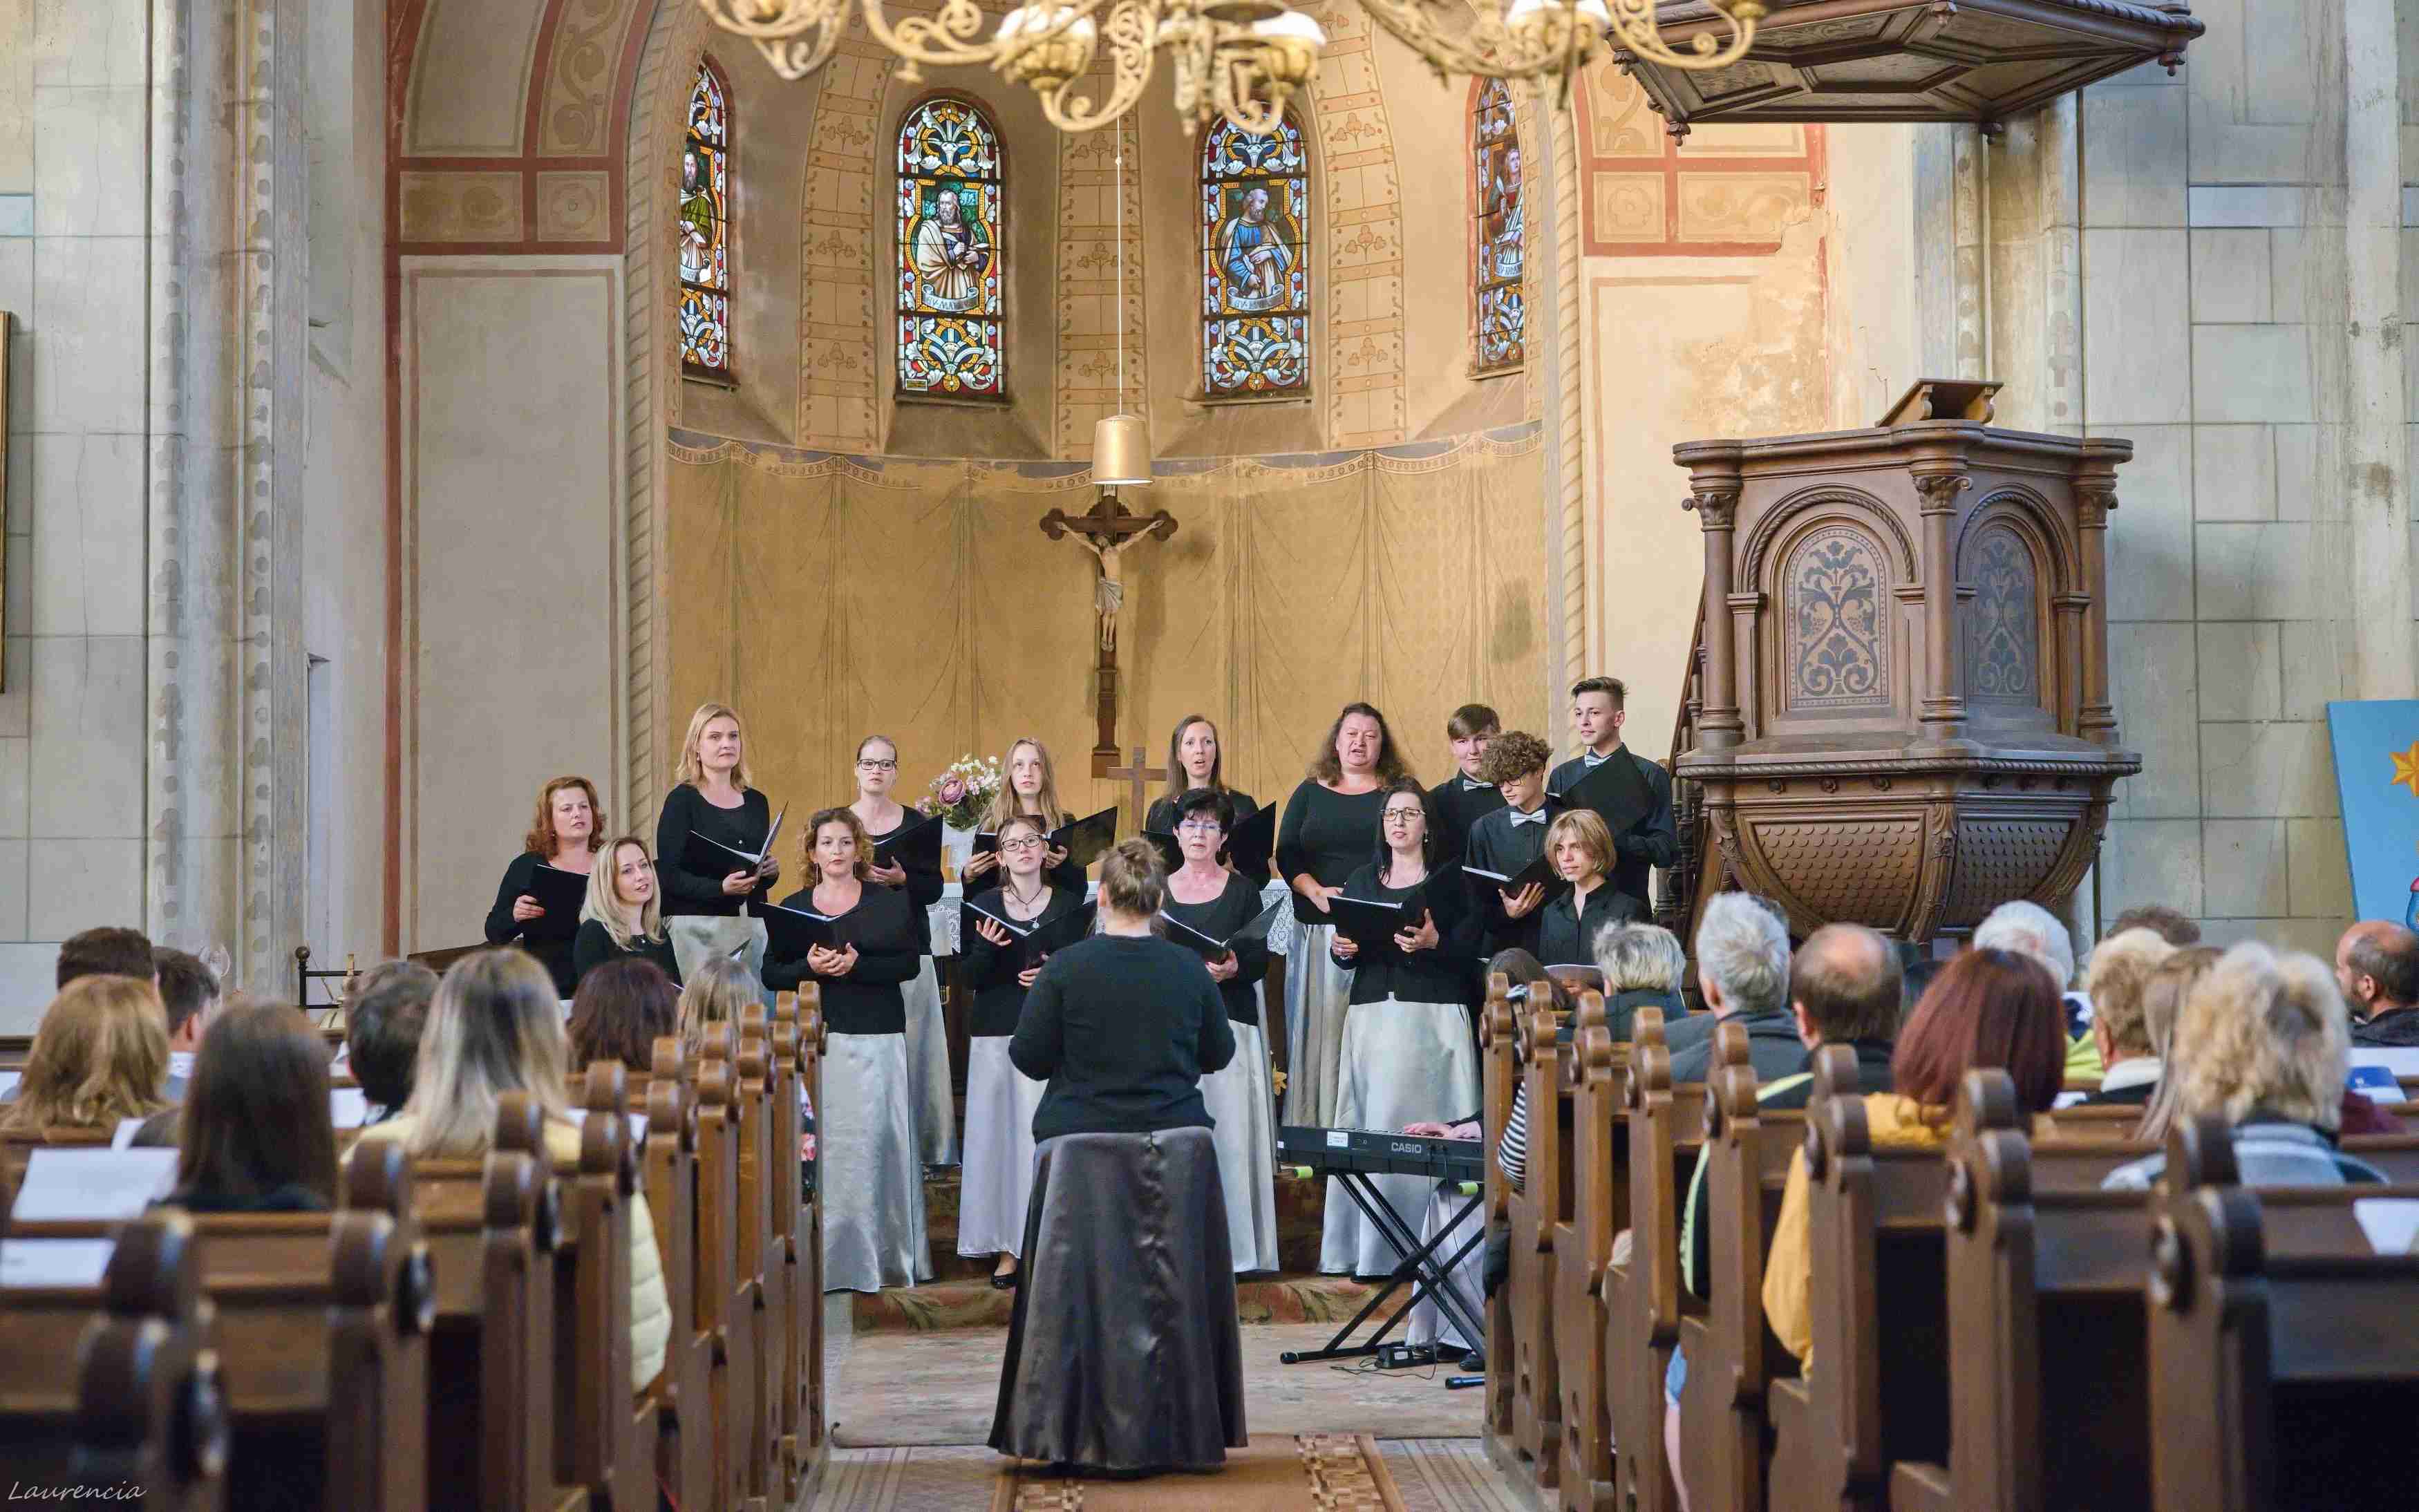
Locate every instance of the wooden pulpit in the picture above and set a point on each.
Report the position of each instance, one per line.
(1903, 716)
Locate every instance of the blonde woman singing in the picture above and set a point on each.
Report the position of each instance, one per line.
(706, 911)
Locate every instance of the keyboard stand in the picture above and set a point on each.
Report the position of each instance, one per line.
(1419, 1266)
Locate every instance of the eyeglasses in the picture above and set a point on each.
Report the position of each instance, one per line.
(1401, 816)
(1027, 842)
(1200, 825)
(877, 764)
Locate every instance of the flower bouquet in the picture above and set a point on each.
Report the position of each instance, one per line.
(963, 792)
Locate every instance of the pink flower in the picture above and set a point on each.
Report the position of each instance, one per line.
(952, 791)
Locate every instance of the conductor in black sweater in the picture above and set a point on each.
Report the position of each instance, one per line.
(1123, 1351)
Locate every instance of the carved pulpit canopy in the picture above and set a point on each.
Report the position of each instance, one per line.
(1978, 61)
(1906, 717)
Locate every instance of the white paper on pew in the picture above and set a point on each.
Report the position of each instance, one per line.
(2390, 1223)
(2068, 1100)
(2401, 1061)
(93, 1184)
(348, 1107)
(2375, 1083)
(123, 1136)
(53, 1262)
(8, 1080)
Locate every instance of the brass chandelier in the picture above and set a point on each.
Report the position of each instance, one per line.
(1239, 59)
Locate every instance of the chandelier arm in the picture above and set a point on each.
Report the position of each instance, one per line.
(794, 57)
(758, 25)
(1131, 33)
(1635, 30)
(953, 36)
(1410, 23)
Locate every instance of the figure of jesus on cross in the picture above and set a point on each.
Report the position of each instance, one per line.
(1105, 530)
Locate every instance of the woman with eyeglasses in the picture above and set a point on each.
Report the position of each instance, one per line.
(1204, 896)
(1197, 759)
(872, 1201)
(928, 1037)
(1408, 1056)
(1330, 823)
(1000, 1099)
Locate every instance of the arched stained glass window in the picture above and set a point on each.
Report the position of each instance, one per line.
(705, 228)
(1498, 292)
(1255, 274)
(949, 316)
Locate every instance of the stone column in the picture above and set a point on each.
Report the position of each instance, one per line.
(2375, 481)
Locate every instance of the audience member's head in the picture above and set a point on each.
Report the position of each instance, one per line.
(1640, 958)
(2028, 928)
(2158, 919)
(255, 1117)
(1742, 956)
(2163, 1004)
(384, 1019)
(1134, 879)
(2376, 968)
(106, 952)
(495, 1025)
(190, 991)
(716, 992)
(1987, 1008)
(99, 1056)
(620, 1009)
(1845, 984)
(2264, 1031)
(2120, 968)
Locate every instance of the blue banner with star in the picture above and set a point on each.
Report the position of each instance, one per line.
(2376, 780)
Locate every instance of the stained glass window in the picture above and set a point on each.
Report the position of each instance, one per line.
(1498, 222)
(1255, 279)
(704, 228)
(949, 252)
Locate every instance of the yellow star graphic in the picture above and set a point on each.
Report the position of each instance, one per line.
(2406, 767)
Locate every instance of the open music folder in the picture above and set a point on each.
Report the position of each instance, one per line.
(1210, 949)
(1085, 841)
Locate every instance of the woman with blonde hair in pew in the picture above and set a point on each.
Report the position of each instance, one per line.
(100, 1056)
(496, 1027)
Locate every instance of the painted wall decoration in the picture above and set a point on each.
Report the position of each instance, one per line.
(1254, 283)
(2377, 779)
(1500, 221)
(704, 228)
(950, 252)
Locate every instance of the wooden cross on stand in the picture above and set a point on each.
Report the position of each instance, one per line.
(1105, 530)
(1138, 774)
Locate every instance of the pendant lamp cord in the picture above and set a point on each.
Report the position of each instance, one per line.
(1121, 264)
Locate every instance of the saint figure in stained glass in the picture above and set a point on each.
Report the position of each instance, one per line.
(949, 222)
(703, 227)
(1502, 224)
(1256, 283)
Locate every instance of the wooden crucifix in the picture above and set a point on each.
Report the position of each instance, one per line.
(1139, 773)
(1106, 530)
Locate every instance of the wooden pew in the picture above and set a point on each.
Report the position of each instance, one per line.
(768, 1292)
(1876, 1394)
(17, 1147)
(726, 1294)
(2284, 1349)
(2048, 1375)
(1581, 1243)
(1543, 1201)
(1660, 1135)
(1497, 1027)
(116, 1386)
(798, 1056)
(1733, 1357)
(606, 1432)
(682, 1397)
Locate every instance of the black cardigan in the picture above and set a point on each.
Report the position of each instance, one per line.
(595, 947)
(552, 950)
(923, 887)
(1218, 918)
(1439, 976)
(1327, 834)
(999, 997)
(685, 809)
(1122, 1027)
(889, 953)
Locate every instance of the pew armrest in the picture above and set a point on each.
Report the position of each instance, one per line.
(1919, 1486)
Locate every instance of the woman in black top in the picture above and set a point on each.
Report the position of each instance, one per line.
(1123, 1351)
(564, 837)
(1330, 823)
(1000, 1099)
(871, 1191)
(704, 909)
(622, 920)
(1031, 788)
(1210, 900)
(1408, 1055)
(1579, 847)
(928, 1041)
(1196, 758)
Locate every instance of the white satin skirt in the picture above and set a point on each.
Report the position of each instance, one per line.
(1317, 992)
(1402, 1063)
(868, 1178)
(1245, 1137)
(1431, 1323)
(928, 1070)
(997, 1179)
